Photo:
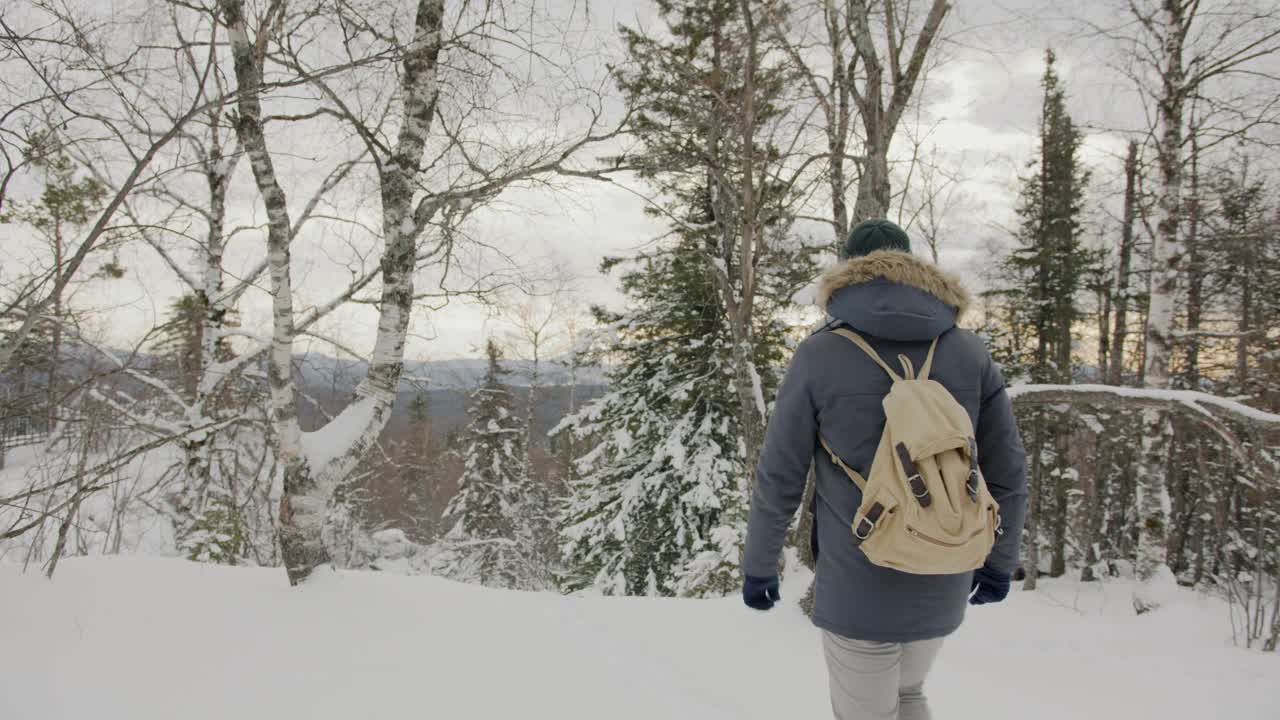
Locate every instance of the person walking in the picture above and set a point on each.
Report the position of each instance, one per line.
(887, 594)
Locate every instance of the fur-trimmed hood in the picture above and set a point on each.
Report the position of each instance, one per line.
(894, 295)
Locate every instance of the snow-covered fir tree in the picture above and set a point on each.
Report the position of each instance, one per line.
(484, 542)
(659, 503)
(713, 108)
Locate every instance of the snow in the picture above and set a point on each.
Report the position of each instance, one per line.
(757, 391)
(339, 434)
(127, 517)
(1192, 399)
(807, 295)
(24, 454)
(141, 638)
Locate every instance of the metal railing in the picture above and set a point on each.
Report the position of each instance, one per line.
(20, 431)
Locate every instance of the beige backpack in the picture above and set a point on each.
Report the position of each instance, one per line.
(925, 506)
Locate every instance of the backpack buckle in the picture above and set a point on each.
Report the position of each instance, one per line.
(858, 532)
(972, 484)
(919, 490)
(868, 522)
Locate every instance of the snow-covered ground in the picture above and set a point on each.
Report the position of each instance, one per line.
(141, 638)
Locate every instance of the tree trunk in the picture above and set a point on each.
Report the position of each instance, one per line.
(1188, 491)
(751, 403)
(1116, 374)
(55, 350)
(1244, 326)
(1195, 271)
(1167, 256)
(198, 448)
(1104, 331)
(839, 120)
(78, 495)
(1063, 475)
(1206, 529)
(1061, 495)
(1093, 478)
(308, 489)
(1031, 527)
(839, 207)
(873, 186)
(301, 550)
(880, 118)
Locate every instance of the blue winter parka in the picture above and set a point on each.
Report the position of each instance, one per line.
(899, 303)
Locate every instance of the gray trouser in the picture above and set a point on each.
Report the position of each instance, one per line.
(876, 680)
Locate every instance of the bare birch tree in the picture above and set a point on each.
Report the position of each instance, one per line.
(1187, 49)
(74, 76)
(397, 140)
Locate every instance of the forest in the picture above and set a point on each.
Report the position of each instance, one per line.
(291, 283)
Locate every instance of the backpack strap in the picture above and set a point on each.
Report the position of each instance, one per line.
(857, 339)
(918, 487)
(928, 362)
(908, 369)
(855, 477)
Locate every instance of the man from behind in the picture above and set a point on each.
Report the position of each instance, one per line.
(882, 625)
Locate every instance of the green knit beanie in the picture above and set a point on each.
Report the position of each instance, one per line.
(872, 235)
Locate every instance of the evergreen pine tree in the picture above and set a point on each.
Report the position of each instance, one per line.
(658, 506)
(179, 343)
(1045, 276)
(710, 107)
(68, 203)
(483, 544)
(1243, 259)
(419, 474)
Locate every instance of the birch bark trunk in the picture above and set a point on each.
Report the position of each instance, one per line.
(301, 551)
(1167, 255)
(210, 298)
(310, 478)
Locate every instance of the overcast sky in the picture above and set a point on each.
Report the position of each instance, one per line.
(981, 103)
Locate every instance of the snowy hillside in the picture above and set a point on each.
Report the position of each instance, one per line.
(137, 639)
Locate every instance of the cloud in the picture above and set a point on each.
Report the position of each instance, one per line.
(981, 102)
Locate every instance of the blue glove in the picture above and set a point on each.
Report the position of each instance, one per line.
(760, 593)
(989, 586)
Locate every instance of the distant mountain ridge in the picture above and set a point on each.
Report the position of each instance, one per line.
(454, 374)
(326, 384)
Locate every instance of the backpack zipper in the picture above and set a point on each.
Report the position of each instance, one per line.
(916, 533)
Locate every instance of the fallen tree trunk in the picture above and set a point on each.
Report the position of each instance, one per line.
(1218, 415)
